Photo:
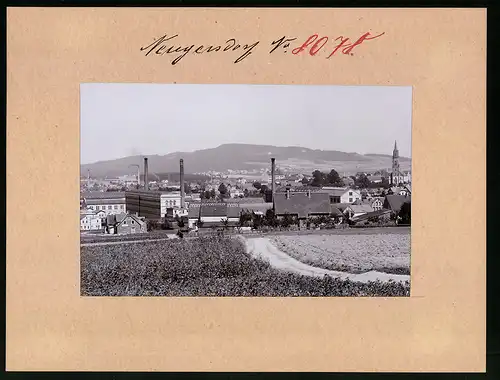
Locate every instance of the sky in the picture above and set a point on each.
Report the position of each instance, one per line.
(119, 120)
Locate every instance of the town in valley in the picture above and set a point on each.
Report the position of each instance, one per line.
(245, 190)
(242, 201)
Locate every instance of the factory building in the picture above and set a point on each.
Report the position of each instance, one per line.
(110, 202)
(157, 204)
(214, 213)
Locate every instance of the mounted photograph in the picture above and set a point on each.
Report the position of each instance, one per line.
(245, 190)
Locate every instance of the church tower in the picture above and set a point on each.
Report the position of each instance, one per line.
(395, 176)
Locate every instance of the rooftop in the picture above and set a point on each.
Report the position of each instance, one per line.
(102, 194)
(300, 204)
(394, 202)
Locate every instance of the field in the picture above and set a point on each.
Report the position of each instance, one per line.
(353, 253)
(208, 266)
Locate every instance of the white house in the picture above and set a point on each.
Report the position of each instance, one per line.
(235, 193)
(91, 220)
(377, 203)
(111, 202)
(342, 194)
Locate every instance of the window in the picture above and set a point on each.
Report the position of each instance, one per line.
(350, 193)
(350, 200)
(116, 207)
(122, 207)
(109, 207)
(175, 202)
(133, 222)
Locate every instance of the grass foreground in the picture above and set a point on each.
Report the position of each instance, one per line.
(206, 266)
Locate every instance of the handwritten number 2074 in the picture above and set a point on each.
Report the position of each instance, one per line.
(315, 44)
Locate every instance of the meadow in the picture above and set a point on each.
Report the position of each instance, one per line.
(205, 266)
(353, 253)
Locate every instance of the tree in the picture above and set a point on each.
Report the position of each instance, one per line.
(187, 189)
(212, 194)
(225, 223)
(257, 185)
(334, 179)
(152, 225)
(287, 220)
(362, 181)
(256, 220)
(222, 189)
(405, 213)
(180, 222)
(245, 219)
(264, 189)
(385, 183)
(319, 178)
(270, 218)
(304, 181)
(245, 193)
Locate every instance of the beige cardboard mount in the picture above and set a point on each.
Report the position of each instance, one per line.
(441, 53)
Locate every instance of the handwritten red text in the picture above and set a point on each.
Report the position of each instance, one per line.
(313, 45)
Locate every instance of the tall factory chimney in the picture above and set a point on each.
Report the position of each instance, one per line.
(273, 180)
(146, 177)
(181, 162)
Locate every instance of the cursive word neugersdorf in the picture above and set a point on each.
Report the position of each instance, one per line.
(166, 45)
(314, 46)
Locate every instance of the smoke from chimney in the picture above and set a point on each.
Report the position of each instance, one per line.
(146, 177)
(273, 181)
(182, 182)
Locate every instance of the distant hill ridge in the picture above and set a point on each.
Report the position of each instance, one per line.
(244, 157)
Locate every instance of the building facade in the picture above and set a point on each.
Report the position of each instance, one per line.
(124, 224)
(92, 220)
(155, 204)
(342, 194)
(110, 202)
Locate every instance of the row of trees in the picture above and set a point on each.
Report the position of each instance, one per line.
(361, 180)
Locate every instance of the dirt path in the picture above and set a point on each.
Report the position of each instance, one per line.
(264, 249)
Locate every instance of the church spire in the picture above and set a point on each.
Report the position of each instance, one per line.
(395, 166)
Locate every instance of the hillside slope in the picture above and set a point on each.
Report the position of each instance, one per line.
(246, 156)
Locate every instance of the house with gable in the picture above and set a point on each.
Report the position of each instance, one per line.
(302, 205)
(91, 220)
(377, 203)
(356, 210)
(342, 194)
(394, 202)
(125, 224)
